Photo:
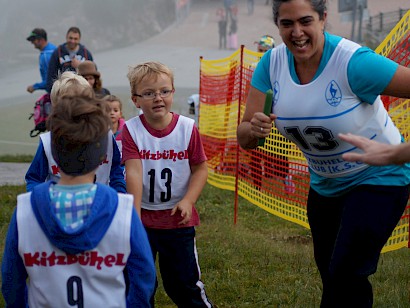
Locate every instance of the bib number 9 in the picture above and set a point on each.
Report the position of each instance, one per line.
(75, 296)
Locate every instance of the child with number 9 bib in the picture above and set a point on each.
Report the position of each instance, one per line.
(166, 171)
(76, 242)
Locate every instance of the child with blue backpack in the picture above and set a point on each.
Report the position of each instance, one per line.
(75, 242)
(44, 167)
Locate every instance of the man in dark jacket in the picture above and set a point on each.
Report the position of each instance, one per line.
(67, 56)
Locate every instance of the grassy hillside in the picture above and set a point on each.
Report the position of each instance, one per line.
(262, 261)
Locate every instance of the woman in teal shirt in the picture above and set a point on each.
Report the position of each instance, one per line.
(323, 86)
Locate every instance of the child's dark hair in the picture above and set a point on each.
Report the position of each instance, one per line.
(79, 133)
(79, 118)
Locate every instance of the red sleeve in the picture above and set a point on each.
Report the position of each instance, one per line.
(195, 148)
(129, 148)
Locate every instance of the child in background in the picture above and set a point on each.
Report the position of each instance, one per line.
(43, 167)
(233, 34)
(222, 25)
(88, 70)
(265, 43)
(166, 171)
(77, 243)
(117, 120)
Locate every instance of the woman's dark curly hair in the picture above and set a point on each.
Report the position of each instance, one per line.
(318, 5)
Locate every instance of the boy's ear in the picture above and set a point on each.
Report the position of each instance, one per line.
(134, 99)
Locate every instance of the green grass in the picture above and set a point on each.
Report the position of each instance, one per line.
(262, 261)
(7, 203)
(16, 158)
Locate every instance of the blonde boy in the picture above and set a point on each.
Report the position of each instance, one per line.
(166, 171)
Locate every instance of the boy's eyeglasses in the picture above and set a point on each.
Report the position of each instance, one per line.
(152, 94)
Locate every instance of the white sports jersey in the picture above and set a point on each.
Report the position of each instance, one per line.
(90, 279)
(102, 173)
(312, 115)
(119, 145)
(165, 163)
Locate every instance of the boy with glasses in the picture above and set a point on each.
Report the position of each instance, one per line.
(166, 171)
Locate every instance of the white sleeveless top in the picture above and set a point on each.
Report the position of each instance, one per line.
(92, 278)
(165, 163)
(312, 115)
(102, 173)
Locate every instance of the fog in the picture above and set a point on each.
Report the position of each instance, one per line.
(105, 24)
(120, 33)
(112, 24)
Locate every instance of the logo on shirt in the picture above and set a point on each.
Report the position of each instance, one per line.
(56, 170)
(166, 154)
(66, 59)
(333, 94)
(89, 258)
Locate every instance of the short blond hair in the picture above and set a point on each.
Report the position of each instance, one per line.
(112, 98)
(138, 73)
(70, 84)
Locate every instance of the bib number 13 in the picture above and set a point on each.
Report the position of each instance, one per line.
(166, 175)
(322, 138)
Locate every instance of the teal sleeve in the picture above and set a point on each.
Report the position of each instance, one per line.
(369, 73)
(261, 78)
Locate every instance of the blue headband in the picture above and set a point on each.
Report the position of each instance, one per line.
(74, 159)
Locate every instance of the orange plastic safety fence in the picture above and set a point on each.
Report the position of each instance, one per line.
(396, 46)
(275, 177)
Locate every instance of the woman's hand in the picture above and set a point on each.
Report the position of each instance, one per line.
(255, 124)
(375, 153)
(261, 124)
